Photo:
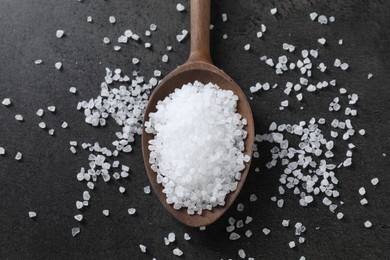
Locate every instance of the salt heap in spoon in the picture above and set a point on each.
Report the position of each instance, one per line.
(197, 150)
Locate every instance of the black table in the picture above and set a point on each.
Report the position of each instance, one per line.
(44, 180)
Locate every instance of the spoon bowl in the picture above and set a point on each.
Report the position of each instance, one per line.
(198, 67)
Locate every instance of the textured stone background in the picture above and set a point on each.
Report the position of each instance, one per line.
(45, 179)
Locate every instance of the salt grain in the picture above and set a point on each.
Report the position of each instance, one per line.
(32, 214)
(374, 181)
(6, 102)
(60, 33)
(368, 224)
(180, 7)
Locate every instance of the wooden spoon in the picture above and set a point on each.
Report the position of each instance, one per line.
(198, 67)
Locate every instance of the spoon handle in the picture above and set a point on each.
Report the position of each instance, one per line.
(200, 31)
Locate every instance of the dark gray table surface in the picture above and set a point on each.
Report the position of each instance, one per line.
(45, 180)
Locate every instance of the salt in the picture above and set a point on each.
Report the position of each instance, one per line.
(207, 160)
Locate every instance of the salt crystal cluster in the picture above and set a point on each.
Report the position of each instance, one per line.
(197, 150)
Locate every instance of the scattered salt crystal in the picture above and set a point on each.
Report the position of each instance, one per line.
(89, 19)
(374, 181)
(340, 215)
(122, 189)
(368, 224)
(37, 62)
(240, 207)
(164, 58)
(78, 217)
(177, 252)
(274, 11)
(153, 27)
(322, 41)
(79, 204)
(2, 150)
(72, 90)
(285, 223)
(58, 65)
(32, 214)
(142, 248)
(332, 19)
(18, 156)
(313, 16)
(362, 191)
(241, 253)
(234, 236)
(51, 131)
(248, 220)
(266, 231)
(180, 7)
(322, 19)
(369, 76)
(131, 211)
(186, 236)
(247, 47)
(248, 233)
(291, 244)
(344, 66)
(106, 212)
(147, 189)
(224, 17)
(6, 102)
(19, 117)
(60, 33)
(112, 19)
(75, 231)
(106, 40)
(171, 237)
(64, 125)
(363, 201)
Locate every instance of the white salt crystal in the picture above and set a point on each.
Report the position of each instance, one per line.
(234, 236)
(106, 40)
(75, 231)
(64, 125)
(374, 181)
(122, 189)
(322, 19)
(32, 214)
(240, 207)
(362, 191)
(340, 215)
(72, 90)
(37, 62)
(266, 231)
(180, 7)
(285, 222)
(19, 117)
(224, 17)
(2, 151)
(112, 19)
(164, 58)
(363, 201)
(241, 253)
(368, 224)
(274, 11)
(153, 27)
(58, 65)
(131, 211)
(313, 16)
(6, 102)
(89, 19)
(78, 217)
(106, 212)
(18, 156)
(142, 248)
(147, 189)
(291, 244)
(60, 33)
(171, 237)
(322, 41)
(177, 252)
(247, 47)
(248, 233)
(186, 236)
(248, 220)
(369, 76)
